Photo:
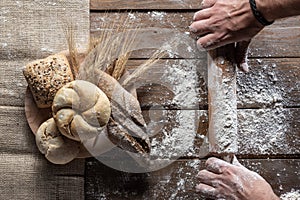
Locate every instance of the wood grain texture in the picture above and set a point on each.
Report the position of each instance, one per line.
(268, 123)
(265, 132)
(178, 181)
(285, 40)
(270, 42)
(269, 82)
(276, 42)
(161, 19)
(144, 5)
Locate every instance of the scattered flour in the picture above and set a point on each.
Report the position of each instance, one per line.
(265, 131)
(158, 16)
(131, 16)
(292, 195)
(183, 78)
(177, 136)
(195, 164)
(259, 88)
(178, 131)
(223, 124)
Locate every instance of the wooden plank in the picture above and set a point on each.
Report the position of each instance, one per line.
(270, 82)
(144, 5)
(276, 83)
(178, 181)
(269, 131)
(28, 176)
(286, 22)
(157, 19)
(151, 39)
(222, 102)
(262, 132)
(160, 19)
(284, 33)
(286, 41)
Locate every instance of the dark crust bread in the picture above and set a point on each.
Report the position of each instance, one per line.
(46, 76)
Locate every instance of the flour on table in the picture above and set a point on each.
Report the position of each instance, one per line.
(184, 79)
(155, 15)
(180, 130)
(292, 195)
(259, 88)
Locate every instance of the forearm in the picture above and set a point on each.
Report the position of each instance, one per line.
(277, 9)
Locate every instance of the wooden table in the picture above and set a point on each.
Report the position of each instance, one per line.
(268, 115)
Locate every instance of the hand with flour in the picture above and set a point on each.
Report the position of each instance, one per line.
(221, 22)
(222, 180)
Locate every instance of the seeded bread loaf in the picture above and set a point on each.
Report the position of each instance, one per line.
(46, 76)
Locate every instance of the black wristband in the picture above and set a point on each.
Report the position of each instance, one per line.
(258, 14)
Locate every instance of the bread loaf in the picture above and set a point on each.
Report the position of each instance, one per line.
(57, 148)
(80, 110)
(46, 76)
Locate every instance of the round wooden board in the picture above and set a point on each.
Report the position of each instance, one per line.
(36, 116)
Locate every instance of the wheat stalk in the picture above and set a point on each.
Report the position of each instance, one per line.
(108, 47)
(132, 78)
(69, 28)
(109, 52)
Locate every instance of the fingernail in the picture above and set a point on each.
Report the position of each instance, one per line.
(201, 4)
(245, 67)
(200, 47)
(198, 175)
(194, 17)
(198, 189)
(193, 30)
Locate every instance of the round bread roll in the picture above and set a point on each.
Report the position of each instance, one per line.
(57, 149)
(80, 110)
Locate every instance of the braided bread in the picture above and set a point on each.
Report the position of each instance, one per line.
(80, 110)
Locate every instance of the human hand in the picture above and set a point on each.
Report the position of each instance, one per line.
(222, 180)
(222, 22)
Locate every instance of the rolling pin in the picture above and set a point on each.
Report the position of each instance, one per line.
(222, 103)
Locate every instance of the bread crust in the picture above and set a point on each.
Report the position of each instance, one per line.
(56, 148)
(46, 76)
(81, 110)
